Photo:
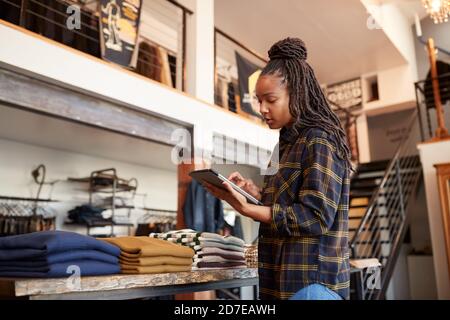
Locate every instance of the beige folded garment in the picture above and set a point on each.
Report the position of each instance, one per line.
(153, 269)
(154, 261)
(138, 247)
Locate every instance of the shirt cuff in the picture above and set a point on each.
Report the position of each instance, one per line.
(278, 218)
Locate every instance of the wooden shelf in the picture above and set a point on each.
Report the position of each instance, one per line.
(128, 286)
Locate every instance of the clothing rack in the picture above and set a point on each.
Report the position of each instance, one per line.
(23, 215)
(156, 220)
(106, 181)
(153, 213)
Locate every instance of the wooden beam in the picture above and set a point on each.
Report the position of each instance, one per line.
(38, 96)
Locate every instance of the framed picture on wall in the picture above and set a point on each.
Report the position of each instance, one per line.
(248, 74)
(119, 27)
(346, 101)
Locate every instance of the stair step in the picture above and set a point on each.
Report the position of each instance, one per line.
(372, 166)
(371, 174)
(359, 201)
(365, 183)
(357, 212)
(353, 224)
(360, 193)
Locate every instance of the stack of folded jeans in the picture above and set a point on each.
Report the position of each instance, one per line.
(212, 251)
(50, 254)
(147, 255)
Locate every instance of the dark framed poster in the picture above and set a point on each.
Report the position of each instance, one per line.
(248, 74)
(347, 94)
(119, 28)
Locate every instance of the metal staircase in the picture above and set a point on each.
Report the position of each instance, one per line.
(380, 198)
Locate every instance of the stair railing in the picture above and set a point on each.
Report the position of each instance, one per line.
(383, 226)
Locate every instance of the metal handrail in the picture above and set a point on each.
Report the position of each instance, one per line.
(399, 182)
(425, 120)
(391, 164)
(240, 44)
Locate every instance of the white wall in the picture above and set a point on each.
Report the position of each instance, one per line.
(440, 33)
(397, 27)
(431, 154)
(17, 160)
(395, 87)
(39, 57)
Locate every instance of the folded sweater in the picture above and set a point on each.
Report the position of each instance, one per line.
(216, 258)
(202, 236)
(213, 244)
(138, 247)
(63, 257)
(38, 245)
(154, 269)
(155, 261)
(221, 252)
(65, 269)
(223, 265)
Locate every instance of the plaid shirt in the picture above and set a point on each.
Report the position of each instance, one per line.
(307, 240)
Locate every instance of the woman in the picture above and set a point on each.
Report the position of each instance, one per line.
(303, 236)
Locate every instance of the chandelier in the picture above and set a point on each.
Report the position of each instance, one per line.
(438, 10)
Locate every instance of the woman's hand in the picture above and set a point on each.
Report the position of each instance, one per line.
(246, 184)
(234, 198)
(239, 202)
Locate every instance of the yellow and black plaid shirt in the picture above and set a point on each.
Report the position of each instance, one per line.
(307, 241)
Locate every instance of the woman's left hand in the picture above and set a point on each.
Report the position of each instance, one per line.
(234, 198)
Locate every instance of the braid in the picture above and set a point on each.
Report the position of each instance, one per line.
(307, 103)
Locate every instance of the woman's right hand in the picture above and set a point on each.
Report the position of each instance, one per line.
(246, 184)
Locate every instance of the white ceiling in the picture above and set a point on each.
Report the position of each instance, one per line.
(340, 45)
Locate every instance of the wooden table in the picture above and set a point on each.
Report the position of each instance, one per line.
(118, 287)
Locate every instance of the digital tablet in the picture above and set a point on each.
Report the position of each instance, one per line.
(216, 179)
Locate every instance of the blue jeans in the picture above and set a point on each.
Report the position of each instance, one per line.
(315, 291)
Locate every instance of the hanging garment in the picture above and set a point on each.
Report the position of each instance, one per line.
(166, 77)
(234, 230)
(149, 63)
(231, 97)
(173, 69)
(202, 211)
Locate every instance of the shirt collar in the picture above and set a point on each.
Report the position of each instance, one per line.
(288, 134)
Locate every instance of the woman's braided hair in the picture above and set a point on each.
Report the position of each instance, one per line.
(307, 103)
